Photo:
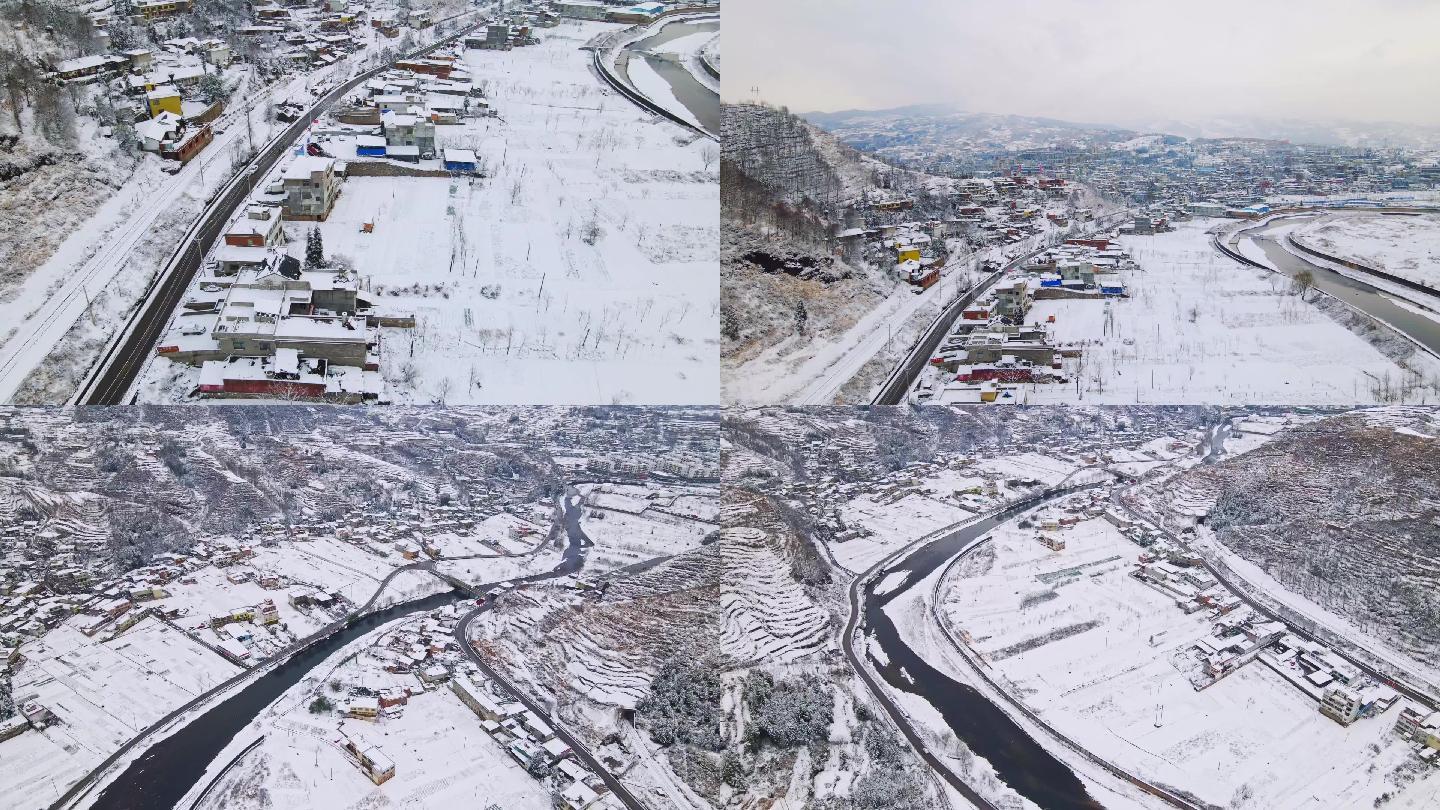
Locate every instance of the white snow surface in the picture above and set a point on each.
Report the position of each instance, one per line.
(631, 319)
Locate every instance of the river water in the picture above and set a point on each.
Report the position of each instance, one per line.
(171, 767)
(1362, 296)
(702, 102)
(1019, 761)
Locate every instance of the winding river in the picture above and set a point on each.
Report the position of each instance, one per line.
(702, 101)
(1019, 761)
(171, 767)
(1364, 297)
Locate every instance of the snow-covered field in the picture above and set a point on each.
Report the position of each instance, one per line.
(632, 524)
(1405, 246)
(104, 693)
(1090, 650)
(579, 270)
(1199, 328)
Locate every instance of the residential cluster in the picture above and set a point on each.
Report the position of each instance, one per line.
(532, 743)
(692, 466)
(1240, 635)
(618, 11)
(421, 656)
(882, 228)
(995, 346)
(259, 322)
(53, 574)
(169, 95)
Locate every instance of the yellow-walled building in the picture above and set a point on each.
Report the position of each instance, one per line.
(164, 99)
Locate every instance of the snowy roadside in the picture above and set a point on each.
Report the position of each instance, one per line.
(75, 302)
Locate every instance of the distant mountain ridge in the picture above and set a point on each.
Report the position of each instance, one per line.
(1027, 131)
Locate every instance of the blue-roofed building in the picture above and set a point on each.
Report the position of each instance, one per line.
(460, 160)
(370, 146)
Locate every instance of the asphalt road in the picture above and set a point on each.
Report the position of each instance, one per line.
(639, 99)
(577, 542)
(895, 388)
(111, 378)
(847, 643)
(857, 662)
(1296, 627)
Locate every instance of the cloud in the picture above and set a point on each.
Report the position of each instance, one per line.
(1120, 61)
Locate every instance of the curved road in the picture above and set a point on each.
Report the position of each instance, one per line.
(700, 100)
(1419, 694)
(38, 333)
(149, 781)
(1018, 760)
(578, 543)
(603, 66)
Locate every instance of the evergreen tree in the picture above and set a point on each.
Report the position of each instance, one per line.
(212, 88)
(314, 249)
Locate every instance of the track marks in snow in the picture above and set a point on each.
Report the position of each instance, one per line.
(766, 614)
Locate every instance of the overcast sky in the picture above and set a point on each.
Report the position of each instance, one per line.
(1107, 61)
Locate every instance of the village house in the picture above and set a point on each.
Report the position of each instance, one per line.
(410, 131)
(86, 67)
(374, 764)
(257, 226)
(164, 98)
(1341, 704)
(311, 185)
(151, 10)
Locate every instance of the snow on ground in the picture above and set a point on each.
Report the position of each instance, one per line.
(622, 539)
(1408, 247)
(1045, 469)
(631, 524)
(207, 593)
(1111, 685)
(712, 51)
(1198, 328)
(689, 49)
(892, 580)
(807, 371)
(686, 45)
(632, 65)
(492, 536)
(104, 693)
(327, 563)
(767, 615)
(64, 314)
(409, 586)
(912, 618)
(580, 270)
(1256, 581)
(499, 569)
(894, 525)
(654, 87)
(442, 757)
